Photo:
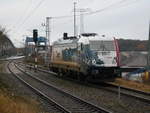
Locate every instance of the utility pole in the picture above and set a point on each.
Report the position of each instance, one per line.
(75, 19)
(81, 22)
(47, 53)
(82, 11)
(148, 56)
(48, 29)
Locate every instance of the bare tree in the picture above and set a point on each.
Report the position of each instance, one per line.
(6, 46)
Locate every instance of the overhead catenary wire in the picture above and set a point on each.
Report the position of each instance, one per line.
(24, 12)
(121, 3)
(69, 16)
(33, 11)
(30, 14)
(114, 5)
(108, 7)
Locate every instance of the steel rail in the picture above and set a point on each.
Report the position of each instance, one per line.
(96, 108)
(52, 102)
(130, 89)
(134, 95)
(141, 95)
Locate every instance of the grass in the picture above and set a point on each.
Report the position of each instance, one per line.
(3, 86)
(10, 103)
(1, 66)
(17, 105)
(133, 84)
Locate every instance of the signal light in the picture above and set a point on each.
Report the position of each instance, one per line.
(35, 35)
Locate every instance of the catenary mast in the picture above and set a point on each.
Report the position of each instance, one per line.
(148, 46)
(75, 32)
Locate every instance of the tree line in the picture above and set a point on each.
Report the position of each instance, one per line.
(6, 46)
(133, 45)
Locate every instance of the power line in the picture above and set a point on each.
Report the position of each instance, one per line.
(69, 16)
(33, 11)
(100, 10)
(20, 19)
(106, 8)
(114, 5)
(111, 6)
(30, 14)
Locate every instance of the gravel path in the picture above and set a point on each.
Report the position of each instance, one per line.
(103, 98)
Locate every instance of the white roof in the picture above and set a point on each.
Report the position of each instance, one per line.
(62, 41)
(86, 40)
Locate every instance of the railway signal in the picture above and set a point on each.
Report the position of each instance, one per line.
(35, 35)
(35, 39)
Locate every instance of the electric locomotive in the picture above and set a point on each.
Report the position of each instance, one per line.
(86, 57)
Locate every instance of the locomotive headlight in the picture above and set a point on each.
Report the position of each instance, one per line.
(94, 61)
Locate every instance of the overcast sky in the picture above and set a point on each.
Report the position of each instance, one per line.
(117, 18)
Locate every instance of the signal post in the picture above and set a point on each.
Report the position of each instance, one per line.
(35, 39)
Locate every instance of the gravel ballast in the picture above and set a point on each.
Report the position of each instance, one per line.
(18, 89)
(99, 97)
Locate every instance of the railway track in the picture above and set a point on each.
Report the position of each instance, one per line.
(67, 103)
(143, 96)
(55, 107)
(137, 94)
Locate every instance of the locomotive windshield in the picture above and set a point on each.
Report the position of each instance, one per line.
(102, 45)
(104, 51)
